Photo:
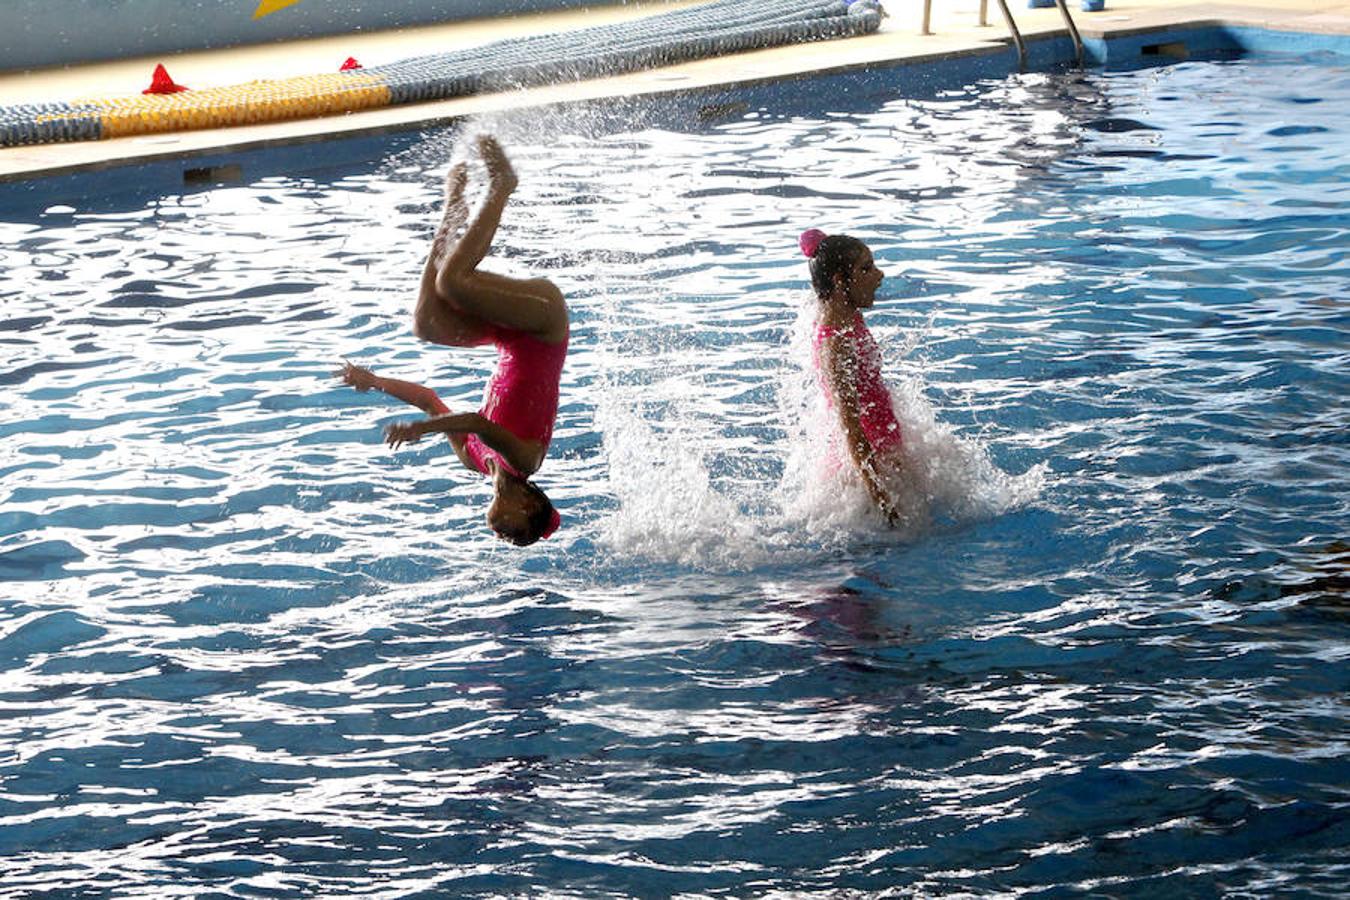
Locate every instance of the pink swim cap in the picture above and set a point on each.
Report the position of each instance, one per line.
(810, 240)
(553, 522)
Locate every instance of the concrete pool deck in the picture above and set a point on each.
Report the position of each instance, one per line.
(955, 25)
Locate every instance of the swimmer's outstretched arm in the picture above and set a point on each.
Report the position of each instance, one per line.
(522, 455)
(418, 395)
(841, 367)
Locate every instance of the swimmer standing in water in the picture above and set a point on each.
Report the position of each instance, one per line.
(459, 305)
(845, 279)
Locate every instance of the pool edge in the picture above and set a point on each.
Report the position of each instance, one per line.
(1107, 44)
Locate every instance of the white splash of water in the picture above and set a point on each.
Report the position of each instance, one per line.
(671, 509)
(668, 507)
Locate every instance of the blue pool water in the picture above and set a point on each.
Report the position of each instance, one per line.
(246, 651)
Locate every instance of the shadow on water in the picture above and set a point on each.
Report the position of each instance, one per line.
(1317, 579)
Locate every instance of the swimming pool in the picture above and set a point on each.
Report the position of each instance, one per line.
(248, 651)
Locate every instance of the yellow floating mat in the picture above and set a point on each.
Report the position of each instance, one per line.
(242, 104)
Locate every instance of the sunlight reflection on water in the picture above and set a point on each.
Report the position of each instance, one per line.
(245, 648)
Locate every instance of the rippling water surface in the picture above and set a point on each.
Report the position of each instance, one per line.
(247, 651)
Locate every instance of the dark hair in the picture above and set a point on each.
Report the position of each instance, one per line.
(539, 521)
(833, 258)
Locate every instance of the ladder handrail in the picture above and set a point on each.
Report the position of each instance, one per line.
(1073, 32)
(1012, 27)
(1016, 36)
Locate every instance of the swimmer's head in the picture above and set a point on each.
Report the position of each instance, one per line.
(841, 266)
(520, 512)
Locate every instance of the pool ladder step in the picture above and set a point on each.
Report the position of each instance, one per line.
(1012, 28)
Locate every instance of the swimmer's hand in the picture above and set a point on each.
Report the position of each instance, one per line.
(502, 176)
(358, 377)
(880, 497)
(883, 503)
(401, 433)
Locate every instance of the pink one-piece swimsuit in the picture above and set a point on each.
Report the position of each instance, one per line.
(522, 395)
(875, 412)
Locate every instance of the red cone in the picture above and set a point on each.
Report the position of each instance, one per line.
(350, 64)
(161, 83)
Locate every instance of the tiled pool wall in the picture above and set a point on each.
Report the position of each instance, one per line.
(1177, 43)
(118, 184)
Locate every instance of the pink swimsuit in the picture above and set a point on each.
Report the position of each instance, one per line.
(875, 413)
(522, 395)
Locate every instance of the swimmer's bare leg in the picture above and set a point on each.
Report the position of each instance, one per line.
(533, 305)
(455, 215)
(477, 240)
(435, 318)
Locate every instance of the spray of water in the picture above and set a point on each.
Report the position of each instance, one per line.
(698, 469)
(671, 507)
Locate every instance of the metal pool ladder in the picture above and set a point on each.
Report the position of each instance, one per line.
(1013, 29)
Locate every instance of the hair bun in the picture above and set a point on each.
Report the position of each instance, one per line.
(810, 241)
(554, 520)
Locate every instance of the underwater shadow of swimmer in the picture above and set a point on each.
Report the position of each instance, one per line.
(850, 625)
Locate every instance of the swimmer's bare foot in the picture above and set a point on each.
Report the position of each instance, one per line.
(456, 212)
(500, 173)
